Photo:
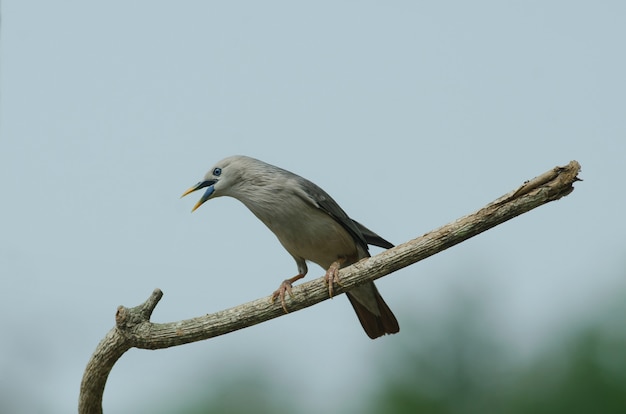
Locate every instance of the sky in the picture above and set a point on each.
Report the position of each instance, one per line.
(410, 114)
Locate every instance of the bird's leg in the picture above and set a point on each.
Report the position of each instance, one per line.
(332, 274)
(285, 287)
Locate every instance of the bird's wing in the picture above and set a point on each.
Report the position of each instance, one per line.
(372, 238)
(325, 202)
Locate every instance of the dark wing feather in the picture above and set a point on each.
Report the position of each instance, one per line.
(359, 232)
(372, 238)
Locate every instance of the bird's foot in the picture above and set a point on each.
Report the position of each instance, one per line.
(332, 275)
(285, 287)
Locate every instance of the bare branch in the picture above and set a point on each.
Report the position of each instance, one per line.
(134, 329)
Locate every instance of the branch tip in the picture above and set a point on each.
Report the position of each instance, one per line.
(150, 304)
(120, 316)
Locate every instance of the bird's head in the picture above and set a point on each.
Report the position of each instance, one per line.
(223, 179)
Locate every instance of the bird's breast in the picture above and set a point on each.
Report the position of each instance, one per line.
(307, 232)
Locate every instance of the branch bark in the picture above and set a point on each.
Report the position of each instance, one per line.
(134, 329)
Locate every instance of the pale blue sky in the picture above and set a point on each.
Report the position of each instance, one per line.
(410, 114)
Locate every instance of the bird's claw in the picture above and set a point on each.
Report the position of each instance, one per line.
(280, 293)
(285, 286)
(332, 276)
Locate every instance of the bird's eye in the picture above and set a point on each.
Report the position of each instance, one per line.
(217, 172)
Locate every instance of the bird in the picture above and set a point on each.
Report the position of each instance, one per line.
(309, 224)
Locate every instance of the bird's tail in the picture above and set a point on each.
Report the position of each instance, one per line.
(374, 314)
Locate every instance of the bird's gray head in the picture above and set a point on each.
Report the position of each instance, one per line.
(231, 177)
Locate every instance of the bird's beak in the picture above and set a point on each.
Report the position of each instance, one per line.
(207, 194)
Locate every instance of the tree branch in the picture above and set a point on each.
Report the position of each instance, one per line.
(134, 329)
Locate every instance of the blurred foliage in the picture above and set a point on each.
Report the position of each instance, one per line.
(239, 394)
(458, 366)
(588, 375)
(463, 371)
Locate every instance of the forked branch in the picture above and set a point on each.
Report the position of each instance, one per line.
(134, 329)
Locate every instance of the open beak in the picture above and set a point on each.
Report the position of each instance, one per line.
(207, 194)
